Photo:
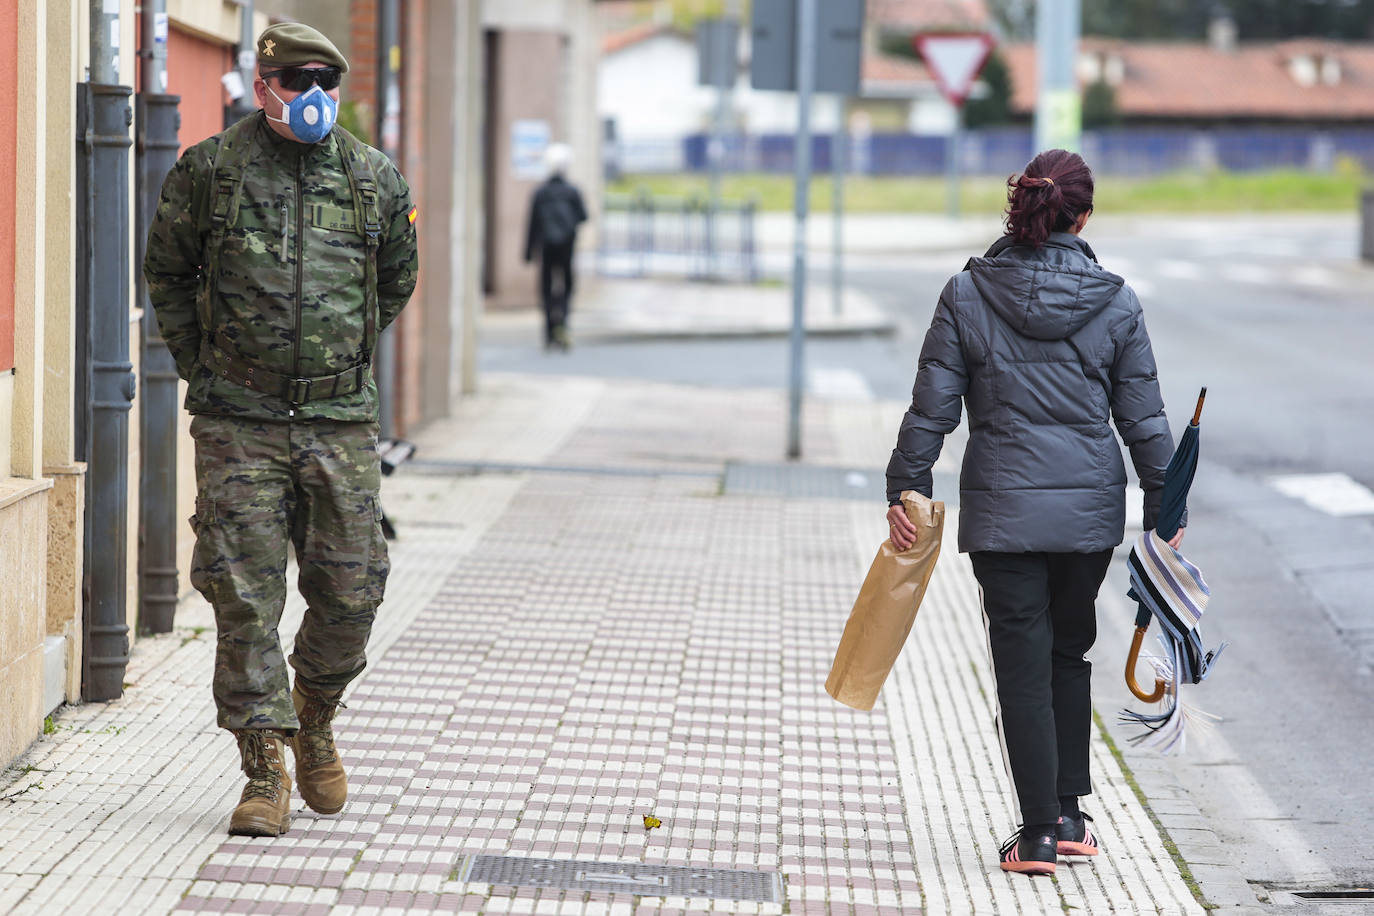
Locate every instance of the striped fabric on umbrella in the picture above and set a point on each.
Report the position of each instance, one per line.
(1171, 590)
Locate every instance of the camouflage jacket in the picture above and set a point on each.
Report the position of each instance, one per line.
(288, 299)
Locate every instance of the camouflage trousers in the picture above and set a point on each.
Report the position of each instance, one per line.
(261, 486)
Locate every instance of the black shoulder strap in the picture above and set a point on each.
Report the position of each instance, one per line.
(362, 183)
(226, 177)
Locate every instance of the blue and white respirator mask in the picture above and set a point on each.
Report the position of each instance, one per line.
(310, 115)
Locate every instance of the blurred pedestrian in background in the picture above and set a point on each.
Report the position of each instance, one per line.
(556, 211)
(1045, 348)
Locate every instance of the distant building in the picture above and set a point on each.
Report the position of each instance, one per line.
(912, 16)
(1299, 83)
(647, 82)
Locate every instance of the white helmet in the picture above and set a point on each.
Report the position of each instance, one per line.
(557, 158)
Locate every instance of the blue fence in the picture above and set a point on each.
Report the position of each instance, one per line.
(1001, 151)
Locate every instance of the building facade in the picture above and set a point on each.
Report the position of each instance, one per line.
(46, 587)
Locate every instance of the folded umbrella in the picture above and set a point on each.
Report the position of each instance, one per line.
(1171, 590)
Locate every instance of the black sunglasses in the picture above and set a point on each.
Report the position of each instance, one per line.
(299, 79)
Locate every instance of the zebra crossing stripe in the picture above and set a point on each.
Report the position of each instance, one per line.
(1334, 494)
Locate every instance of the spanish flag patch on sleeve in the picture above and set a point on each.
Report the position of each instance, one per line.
(414, 212)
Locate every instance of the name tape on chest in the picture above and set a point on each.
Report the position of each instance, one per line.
(336, 218)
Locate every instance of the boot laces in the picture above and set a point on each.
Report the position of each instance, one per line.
(264, 779)
(316, 732)
(262, 787)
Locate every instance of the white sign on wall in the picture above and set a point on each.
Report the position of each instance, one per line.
(529, 139)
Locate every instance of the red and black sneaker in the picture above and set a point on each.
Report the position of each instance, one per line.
(1030, 853)
(1076, 837)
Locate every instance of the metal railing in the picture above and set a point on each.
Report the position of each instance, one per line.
(643, 235)
(1004, 150)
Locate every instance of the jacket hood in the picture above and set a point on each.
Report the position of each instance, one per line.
(1045, 293)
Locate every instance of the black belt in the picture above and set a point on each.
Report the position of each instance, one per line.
(223, 360)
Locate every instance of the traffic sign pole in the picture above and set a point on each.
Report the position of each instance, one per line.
(955, 59)
(954, 165)
(716, 50)
(804, 46)
(839, 144)
(806, 62)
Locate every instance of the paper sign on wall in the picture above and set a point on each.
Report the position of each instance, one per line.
(528, 140)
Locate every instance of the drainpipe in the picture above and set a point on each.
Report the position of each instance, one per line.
(389, 133)
(104, 119)
(246, 63)
(157, 123)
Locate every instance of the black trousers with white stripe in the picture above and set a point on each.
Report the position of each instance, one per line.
(1041, 620)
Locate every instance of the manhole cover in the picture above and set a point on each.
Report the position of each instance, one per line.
(623, 878)
(800, 481)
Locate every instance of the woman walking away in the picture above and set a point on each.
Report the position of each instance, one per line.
(1045, 348)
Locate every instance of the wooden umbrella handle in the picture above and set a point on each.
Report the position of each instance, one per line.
(1131, 658)
(1197, 414)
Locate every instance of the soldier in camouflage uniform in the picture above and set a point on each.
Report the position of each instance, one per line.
(280, 249)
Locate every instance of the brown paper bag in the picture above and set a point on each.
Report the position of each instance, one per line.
(886, 607)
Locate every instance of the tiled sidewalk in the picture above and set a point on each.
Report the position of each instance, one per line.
(562, 653)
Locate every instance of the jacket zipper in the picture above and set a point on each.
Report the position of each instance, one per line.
(300, 269)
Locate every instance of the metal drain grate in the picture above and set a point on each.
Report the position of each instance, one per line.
(623, 878)
(1348, 895)
(800, 481)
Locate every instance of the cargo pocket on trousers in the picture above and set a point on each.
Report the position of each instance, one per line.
(379, 561)
(208, 552)
(240, 541)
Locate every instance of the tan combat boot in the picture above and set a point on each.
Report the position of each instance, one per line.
(265, 806)
(319, 771)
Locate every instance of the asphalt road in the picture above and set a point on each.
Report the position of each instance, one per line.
(1276, 317)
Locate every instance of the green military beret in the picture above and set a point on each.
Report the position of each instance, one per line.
(290, 44)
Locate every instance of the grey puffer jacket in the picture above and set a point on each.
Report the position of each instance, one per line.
(1046, 348)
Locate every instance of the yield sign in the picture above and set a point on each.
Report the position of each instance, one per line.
(955, 59)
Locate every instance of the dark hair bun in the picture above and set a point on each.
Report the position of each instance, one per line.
(1049, 196)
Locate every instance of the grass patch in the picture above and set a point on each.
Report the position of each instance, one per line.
(195, 633)
(19, 774)
(1181, 192)
(1169, 846)
(11, 797)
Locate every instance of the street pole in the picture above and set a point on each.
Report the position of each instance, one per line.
(1058, 108)
(247, 62)
(104, 67)
(954, 165)
(839, 147)
(724, 64)
(157, 123)
(389, 134)
(468, 131)
(806, 62)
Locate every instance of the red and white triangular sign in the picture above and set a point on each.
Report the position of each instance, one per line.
(955, 59)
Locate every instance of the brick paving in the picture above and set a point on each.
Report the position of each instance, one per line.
(562, 653)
